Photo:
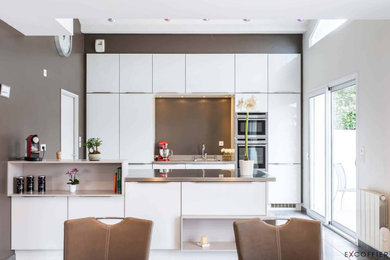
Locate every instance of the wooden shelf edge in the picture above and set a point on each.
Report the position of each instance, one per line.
(64, 193)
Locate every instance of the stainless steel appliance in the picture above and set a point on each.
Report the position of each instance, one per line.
(257, 139)
(257, 125)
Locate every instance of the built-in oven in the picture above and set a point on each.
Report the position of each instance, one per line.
(257, 125)
(257, 151)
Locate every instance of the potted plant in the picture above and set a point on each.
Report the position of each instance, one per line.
(73, 182)
(246, 104)
(93, 148)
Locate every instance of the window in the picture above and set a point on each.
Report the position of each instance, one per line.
(323, 28)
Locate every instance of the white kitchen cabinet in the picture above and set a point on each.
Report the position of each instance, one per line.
(287, 188)
(102, 72)
(210, 73)
(243, 198)
(136, 73)
(169, 73)
(221, 166)
(251, 73)
(137, 128)
(38, 223)
(284, 128)
(148, 166)
(284, 73)
(83, 207)
(103, 122)
(168, 166)
(160, 203)
(261, 102)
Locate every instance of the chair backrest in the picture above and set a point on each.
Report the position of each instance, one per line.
(341, 177)
(90, 239)
(296, 240)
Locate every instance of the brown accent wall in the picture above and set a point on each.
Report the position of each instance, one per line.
(34, 105)
(197, 43)
(187, 123)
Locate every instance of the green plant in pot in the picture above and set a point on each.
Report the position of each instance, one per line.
(93, 148)
(246, 104)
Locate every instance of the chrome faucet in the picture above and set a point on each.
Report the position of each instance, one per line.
(204, 154)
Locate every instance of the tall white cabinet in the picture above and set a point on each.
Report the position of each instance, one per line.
(136, 73)
(102, 73)
(137, 128)
(284, 72)
(251, 73)
(169, 73)
(103, 122)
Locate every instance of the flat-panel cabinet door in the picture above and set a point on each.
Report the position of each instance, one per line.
(136, 73)
(212, 73)
(103, 122)
(284, 128)
(261, 102)
(137, 128)
(160, 203)
(169, 73)
(251, 73)
(284, 72)
(38, 223)
(102, 72)
(96, 207)
(287, 188)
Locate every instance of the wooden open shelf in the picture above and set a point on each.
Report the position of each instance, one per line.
(64, 193)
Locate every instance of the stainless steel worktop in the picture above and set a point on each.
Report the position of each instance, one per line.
(186, 175)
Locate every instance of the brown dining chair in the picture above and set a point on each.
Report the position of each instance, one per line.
(90, 239)
(297, 239)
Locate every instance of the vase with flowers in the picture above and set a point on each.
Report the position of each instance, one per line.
(246, 104)
(73, 181)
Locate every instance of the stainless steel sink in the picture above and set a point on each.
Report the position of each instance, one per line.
(208, 159)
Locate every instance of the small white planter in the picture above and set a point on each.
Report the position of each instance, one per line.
(246, 168)
(94, 157)
(72, 188)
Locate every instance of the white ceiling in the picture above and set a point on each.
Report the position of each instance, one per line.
(38, 17)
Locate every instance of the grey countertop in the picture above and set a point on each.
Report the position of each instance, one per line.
(183, 159)
(187, 175)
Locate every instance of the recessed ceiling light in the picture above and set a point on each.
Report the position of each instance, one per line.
(205, 19)
(167, 19)
(246, 20)
(300, 20)
(111, 20)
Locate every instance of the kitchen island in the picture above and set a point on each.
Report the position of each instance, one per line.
(185, 204)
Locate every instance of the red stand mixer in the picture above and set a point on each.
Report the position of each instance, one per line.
(164, 152)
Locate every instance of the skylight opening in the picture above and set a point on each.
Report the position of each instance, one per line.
(323, 28)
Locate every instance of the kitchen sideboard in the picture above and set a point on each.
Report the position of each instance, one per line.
(183, 204)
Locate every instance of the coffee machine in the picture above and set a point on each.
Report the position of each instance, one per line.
(33, 144)
(164, 152)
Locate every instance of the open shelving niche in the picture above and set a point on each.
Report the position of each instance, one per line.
(96, 177)
(218, 229)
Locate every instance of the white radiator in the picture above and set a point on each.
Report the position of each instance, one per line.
(373, 217)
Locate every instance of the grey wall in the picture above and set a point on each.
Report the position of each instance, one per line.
(34, 106)
(360, 47)
(187, 123)
(197, 43)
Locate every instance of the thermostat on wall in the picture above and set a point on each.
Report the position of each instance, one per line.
(5, 90)
(99, 45)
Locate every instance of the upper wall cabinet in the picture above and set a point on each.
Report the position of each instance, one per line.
(210, 73)
(102, 72)
(136, 73)
(251, 73)
(284, 73)
(169, 73)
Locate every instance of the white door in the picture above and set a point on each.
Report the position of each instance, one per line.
(103, 122)
(169, 73)
(284, 128)
(159, 202)
(136, 73)
(251, 73)
(213, 73)
(287, 187)
(137, 128)
(284, 73)
(38, 223)
(69, 125)
(102, 73)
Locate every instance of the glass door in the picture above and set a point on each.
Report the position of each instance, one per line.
(343, 157)
(317, 151)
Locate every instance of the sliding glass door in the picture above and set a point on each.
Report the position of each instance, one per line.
(332, 155)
